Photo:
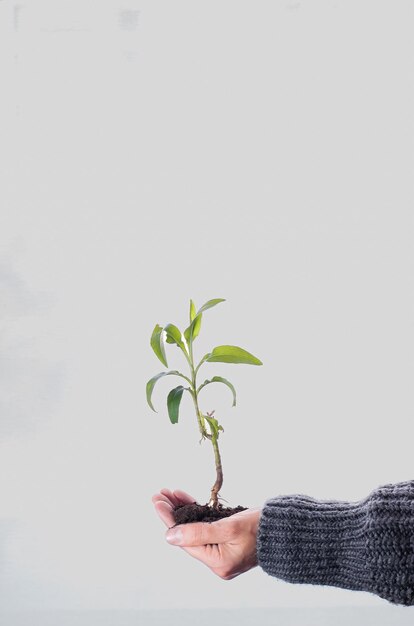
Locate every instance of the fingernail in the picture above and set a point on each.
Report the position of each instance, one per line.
(174, 536)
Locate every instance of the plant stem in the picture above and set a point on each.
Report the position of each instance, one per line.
(206, 435)
(200, 418)
(219, 471)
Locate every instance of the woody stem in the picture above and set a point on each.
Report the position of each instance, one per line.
(206, 435)
(214, 440)
(219, 478)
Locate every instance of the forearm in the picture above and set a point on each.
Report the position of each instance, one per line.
(365, 546)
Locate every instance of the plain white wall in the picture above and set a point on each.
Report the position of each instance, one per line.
(157, 151)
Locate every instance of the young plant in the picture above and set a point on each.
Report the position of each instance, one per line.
(208, 425)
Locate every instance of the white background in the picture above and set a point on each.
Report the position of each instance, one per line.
(152, 152)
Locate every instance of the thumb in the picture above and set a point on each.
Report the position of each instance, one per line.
(197, 534)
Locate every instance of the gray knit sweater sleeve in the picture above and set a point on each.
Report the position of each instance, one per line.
(365, 546)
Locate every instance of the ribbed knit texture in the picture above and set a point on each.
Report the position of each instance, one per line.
(364, 546)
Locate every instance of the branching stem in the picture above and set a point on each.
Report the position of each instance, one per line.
(212, 435)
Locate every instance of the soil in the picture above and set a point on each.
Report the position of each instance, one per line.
(186, 513)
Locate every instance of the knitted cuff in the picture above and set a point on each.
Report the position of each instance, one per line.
(363, 546)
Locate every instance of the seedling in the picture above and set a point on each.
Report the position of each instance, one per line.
(208, 424)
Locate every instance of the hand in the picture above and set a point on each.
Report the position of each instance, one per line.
(227, 547)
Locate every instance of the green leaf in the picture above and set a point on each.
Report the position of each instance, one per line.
(209, 304)
(174, 335)
(232, 354)
(173, 403)
(154, 379)
(157, 344)
(194, 328)
(214, 425)
(219, 379)
(192, 311)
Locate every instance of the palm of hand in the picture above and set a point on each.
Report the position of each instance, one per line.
(227, 547)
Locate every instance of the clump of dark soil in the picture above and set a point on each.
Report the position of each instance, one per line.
(186, 513)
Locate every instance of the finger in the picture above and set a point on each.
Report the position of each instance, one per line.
(158, 497)
(201, 533)
(183, 497)
(170, 495)
(164, 511)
